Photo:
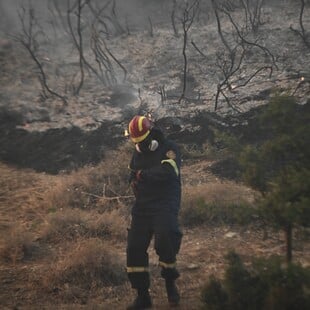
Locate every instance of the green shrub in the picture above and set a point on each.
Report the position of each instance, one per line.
(245, 290)
(266, 284)
(288, 286)
(214, 295)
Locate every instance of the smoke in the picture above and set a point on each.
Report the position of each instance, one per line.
(9, 16)
(134, 13)
(11, 10)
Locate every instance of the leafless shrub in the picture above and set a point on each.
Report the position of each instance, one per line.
(105, 59)
(188, 15)
(231, 60)
(74, 20)
(162, 92)
(88, 263)
(31, 31)
(77, 8)
(253, 13)
(107, 18)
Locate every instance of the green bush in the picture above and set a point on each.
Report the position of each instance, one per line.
(214, 295)
(288, 286)
(266, 284)
(246, 290)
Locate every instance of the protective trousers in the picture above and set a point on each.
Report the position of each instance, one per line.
(167, 241)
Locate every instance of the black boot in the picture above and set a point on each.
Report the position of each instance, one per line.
(172, 293)
(142, 301)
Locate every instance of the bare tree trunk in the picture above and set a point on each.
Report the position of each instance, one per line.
(219, 27)
(185, 62)
(175, 30)
(289, 243)
(189, 14)
(78, 25)
(151, 27)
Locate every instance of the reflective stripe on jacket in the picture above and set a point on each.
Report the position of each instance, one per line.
(158, 188)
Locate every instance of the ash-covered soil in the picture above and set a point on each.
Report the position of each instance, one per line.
(39, 131)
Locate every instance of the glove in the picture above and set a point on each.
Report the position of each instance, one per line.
(135, 176)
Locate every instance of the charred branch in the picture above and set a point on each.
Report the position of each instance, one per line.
(97, 12)
(107, 74)
(187, 20)
(55, 10)
(77, 40)
(151, 27)
(114, 20)
(244, 40)
(253, 11)
(107, 19)
(230, 63)
(302, 33)
(198, 49)
(115, 59)
(28, 39)
(219, 27)
(162, 92)
(173, 13)
(43, 76)
(80, 44)
(103, 57)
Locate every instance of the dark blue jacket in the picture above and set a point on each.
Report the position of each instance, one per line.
(158, 187)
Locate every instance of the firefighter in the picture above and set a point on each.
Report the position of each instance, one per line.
(155, 179)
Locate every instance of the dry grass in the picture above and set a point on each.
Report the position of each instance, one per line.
(16, 245)
(22, 194)
(90, 203)
(73, 220)
(225, 192)
(88, 263)
(109, 224)
(65, 224)
(57, 209)
(217, 202)
(89, 187)
(70, 224)
(68, 246)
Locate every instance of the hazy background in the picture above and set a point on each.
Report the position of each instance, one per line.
(135, 12)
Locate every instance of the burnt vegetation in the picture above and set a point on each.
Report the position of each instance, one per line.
(227, 80)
